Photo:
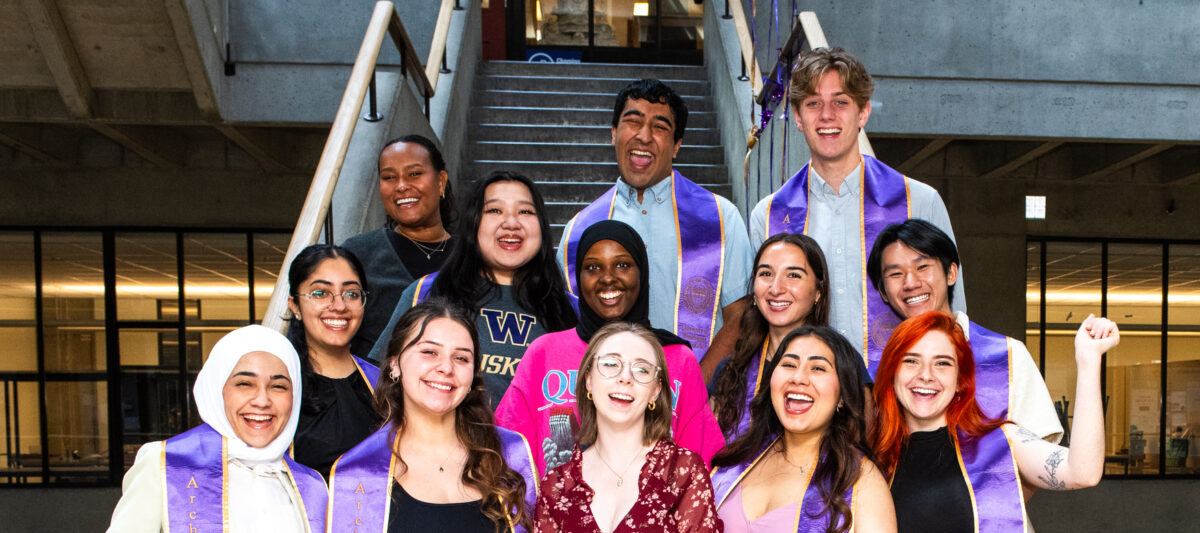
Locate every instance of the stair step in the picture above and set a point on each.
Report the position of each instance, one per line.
(579, 84)
(567, 99)
(566, 133)
(589, 152)
(606, 70)
(586, 192)
(582, 171)
(567, 116)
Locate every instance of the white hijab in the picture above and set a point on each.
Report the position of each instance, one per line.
(211, 380)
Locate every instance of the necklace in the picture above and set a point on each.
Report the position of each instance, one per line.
(444, 459)
(425, 249)
(621, 475)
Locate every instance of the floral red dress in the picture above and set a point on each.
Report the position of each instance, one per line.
(674, 494)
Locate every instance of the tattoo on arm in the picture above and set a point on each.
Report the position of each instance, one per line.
(1053, 461)
(1027, 435)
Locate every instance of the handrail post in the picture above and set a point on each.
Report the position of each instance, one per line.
(445, 69)
(372, 114)
(728, 15)
(744, 76)
(457, 6)
(329, 225)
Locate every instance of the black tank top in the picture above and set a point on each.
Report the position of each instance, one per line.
(929, 489)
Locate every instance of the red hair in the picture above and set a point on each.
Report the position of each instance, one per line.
(963, 413)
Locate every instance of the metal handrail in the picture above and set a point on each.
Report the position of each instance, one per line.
(384, 22)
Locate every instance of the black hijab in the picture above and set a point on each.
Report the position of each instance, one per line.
(621, 233)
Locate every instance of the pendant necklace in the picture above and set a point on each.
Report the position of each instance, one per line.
(425, 249)
(620, 476)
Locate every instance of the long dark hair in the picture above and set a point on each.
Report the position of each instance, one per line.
(446, 207)
(844, 443)
(731, 384)
(502, 488)
(303, 266)
(538, 287)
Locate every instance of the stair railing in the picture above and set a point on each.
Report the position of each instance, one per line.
(315, 213)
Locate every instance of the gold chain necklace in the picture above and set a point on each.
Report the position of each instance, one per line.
(620, 476)
(427, 250)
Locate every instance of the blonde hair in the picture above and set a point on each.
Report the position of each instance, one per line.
(812, 65)
(657, 421)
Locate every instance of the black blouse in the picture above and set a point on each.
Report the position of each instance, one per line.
(417, 261)
(410, 515)
(335, 415)
(929, 489)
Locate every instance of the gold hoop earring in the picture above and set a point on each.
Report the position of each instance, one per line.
(651, 405)
(589, 395)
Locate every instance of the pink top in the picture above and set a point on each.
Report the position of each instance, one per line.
(734, 516)
(540, 402)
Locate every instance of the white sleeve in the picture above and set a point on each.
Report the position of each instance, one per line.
(758, 224)
(1030, 404)
(140, 509)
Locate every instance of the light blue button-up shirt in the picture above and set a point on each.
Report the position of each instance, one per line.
(834, 221)
(654, 220)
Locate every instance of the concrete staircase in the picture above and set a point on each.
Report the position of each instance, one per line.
(552, 122)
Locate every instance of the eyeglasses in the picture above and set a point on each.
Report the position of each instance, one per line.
(611, 366)
(354, 298)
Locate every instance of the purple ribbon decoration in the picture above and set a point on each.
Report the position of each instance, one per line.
(701, 252)
(991, 371)
(991, 474)
(368, 371)
(194, 478)
(884, 200)
(752, 384)
(360, 483)
(811, 515)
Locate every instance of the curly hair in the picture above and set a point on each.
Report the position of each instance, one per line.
(502, 488)
(731, 385)
(844, 443)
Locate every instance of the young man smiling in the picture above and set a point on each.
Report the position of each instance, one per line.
(914, 266)
(842, 198)
(699, 252)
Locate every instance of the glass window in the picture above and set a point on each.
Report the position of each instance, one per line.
(22, 451)
(215, 277)
(1033, 300)
(1134, 370)
(73, 302)
(147, 276)
(77, 423)
(1072, 292)
(269, 251)
(152, 393)
(1183, 361)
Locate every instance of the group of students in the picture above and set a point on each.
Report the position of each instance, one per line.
(646, 379)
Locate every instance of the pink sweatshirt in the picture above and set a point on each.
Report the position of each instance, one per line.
(540, 402)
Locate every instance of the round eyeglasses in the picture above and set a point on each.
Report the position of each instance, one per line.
(611, 366)
(353, 298)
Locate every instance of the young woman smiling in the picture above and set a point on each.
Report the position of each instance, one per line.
(230, 473)
(928, 416)
(613, 274)
(415, 189)
(439, 463)
(631, 477)
(803, 463)
(502, 270)
(327, 291)
(788, 288)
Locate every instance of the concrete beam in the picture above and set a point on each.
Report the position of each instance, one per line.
(23, 139)
(61, 57)
(1126, 162)
(255, 144)
(193, 59)
(142, 143)
(924, 153)
(1020, 161)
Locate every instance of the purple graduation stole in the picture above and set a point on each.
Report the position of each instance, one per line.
(195, 480)
(884, 200)
(811, 516)
(425, 285)
(700, 238)
(992, 479)
(992, 371)
(753, 380)
(360, 483)
(368, 371)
